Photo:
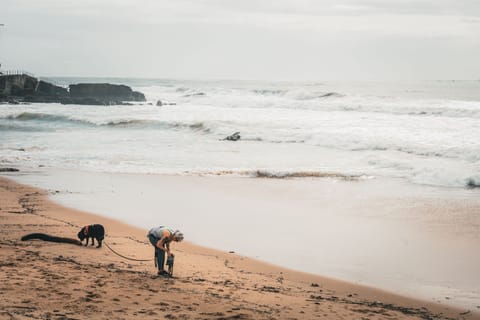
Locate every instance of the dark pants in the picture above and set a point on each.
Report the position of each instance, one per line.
(159, 254)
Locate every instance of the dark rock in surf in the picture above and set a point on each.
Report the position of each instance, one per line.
(471, 184)
(103, 93)
(164, 103)
(9, 170)
(233, 137)
(197, 94)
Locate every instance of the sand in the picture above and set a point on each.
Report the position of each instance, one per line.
(44, 280)
(322, 226)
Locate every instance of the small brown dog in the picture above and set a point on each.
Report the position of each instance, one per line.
(93, 231)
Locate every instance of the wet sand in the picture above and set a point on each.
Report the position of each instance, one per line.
(44, 280)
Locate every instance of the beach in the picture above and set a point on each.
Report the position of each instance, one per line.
(63, 281)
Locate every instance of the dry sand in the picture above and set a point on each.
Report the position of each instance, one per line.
(45, 280)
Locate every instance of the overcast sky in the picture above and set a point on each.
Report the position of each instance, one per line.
(244, 39)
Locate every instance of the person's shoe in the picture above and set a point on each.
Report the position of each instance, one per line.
(163, 273)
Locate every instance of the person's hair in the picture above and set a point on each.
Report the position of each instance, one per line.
(178, 236)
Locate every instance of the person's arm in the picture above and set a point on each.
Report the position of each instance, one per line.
(161, 243)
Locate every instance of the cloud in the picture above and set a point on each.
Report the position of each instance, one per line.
(243, 39)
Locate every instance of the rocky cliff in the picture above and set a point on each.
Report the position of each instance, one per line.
(17, 85)
(23, 87)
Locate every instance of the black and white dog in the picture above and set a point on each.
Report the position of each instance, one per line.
(93, 231)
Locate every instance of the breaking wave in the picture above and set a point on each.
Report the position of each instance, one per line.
(195, 94)
(285, 174)
(13, 127)
(331, 94)
(59, 119)
(269, 92)
(128, 123)
(311, 95)
(142, 124)
(46, 117)
(303, 174)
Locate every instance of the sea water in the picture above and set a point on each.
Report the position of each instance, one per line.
(427, 133)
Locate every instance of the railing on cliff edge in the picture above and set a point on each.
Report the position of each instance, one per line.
(16, 73)
(23, 72)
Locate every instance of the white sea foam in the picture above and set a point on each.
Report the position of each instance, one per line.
(428, 133)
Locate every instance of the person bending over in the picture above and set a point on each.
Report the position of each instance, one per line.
(160, 238)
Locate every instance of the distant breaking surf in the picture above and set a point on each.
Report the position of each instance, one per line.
(284, 174)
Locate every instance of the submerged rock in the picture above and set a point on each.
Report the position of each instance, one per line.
(9, 170)
(471, 183)
(233, 137)
(164, 103)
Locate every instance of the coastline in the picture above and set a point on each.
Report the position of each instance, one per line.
(209, 283)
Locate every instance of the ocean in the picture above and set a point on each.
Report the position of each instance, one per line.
(427, 133)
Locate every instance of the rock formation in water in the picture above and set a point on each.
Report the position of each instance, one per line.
(26, 88)
(103, 93)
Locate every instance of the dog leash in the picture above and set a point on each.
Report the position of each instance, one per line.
(120, 255)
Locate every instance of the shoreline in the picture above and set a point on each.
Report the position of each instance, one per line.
(202, 274)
